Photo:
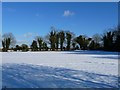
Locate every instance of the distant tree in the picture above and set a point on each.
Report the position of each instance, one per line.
(117, 43)
(97, 38)
(6, 44)
(69, 38)
(24, 47)
(11, 37)
(95, 43)
(80, 41)
(83, 41)
(8, 40)
(40, 42)
(108, 41)
(86, 43)
(45, 47)
(52, 38)
(62, 39)
(57, 40)
(73, 45)
(77, 47)
(34, 46)
(94, 46)
(17, 47)
(117, 39)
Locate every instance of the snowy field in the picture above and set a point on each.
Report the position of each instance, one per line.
(74, 69)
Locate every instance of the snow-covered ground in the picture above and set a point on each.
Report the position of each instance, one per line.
(75, 69)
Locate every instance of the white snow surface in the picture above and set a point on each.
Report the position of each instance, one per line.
(51, 69)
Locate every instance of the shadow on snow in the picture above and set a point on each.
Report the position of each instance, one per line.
(34, 76)
(94, 52)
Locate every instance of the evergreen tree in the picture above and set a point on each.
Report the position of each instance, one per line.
(83, 41)
(57, 40)
(24, 47)
(73, 45)
(92, 45)
(62, 39)
(117, 40)
(117, 43)
(108, 41)
(40, 41)
(52, 39)
(34, 46)
(45, 47)
(68, 37)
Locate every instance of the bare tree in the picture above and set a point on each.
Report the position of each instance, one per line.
(97, 38)
(12, 38)
(8, 40)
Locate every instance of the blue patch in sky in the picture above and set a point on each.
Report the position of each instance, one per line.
(29, 19)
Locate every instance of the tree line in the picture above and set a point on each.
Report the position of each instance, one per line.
(60, 40)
